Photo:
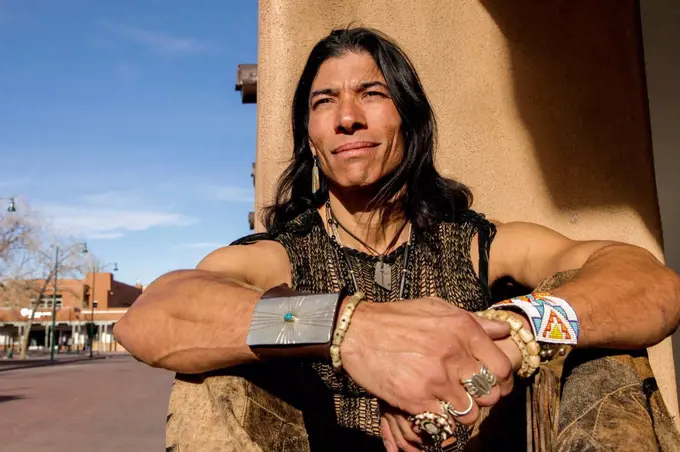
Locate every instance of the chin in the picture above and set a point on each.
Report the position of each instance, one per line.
(356, 183)
(356, 176)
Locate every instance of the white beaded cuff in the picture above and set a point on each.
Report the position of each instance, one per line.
(341, 329)
(552, 319)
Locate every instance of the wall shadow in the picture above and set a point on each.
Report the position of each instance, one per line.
(578, 75)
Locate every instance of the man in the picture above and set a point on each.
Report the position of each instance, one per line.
(362, 211)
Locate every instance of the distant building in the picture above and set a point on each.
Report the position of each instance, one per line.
(97, 299)
(246, 83)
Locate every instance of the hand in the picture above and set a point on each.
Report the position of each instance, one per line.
(396, 431)
(511, 350)
(415, 353)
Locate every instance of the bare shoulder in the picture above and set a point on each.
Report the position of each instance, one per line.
(519, 247)
(519, 241)
(530, 252)
(516, 235)
(264, 264)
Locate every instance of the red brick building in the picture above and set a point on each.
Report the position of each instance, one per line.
(97, 298)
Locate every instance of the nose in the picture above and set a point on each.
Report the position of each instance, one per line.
(350, 117)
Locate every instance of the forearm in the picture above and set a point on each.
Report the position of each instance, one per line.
(190, 321)
(195, 321)
(624, 298)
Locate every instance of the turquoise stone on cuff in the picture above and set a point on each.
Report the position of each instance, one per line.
(288, 317)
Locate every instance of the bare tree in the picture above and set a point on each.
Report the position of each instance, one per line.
(30, 263)
(43, 265)
(17, 232)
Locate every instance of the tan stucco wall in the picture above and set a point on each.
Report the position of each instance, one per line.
(661, 34)
(541, 107)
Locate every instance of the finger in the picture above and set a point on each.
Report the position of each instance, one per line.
(512, 351)
(401, 442)
(496, 361)
(495, 329)
(460, 402)
(406, 429)
(483, 398)
(387, 436)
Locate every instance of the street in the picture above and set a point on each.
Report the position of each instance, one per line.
(106, 405)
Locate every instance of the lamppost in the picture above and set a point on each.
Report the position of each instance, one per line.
(96, 270)
(54, 296)
(11, 207)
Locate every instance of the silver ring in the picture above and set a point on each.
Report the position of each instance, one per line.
(436, 425)
(480, 384)
(447, 407)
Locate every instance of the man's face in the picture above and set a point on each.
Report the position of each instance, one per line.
(354, 127)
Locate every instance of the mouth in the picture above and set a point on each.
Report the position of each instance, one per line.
(355, 145)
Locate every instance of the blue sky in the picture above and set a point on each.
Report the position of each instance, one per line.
(120, 123)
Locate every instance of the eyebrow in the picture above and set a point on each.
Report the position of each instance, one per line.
(366, 85)
(334, 92)
(325, 91)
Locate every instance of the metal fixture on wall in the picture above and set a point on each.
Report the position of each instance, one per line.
(246, 82)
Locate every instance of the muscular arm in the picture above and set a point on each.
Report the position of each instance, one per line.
(197, 320)
(624, 297)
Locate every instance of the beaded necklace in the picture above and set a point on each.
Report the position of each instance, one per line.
(381, 269)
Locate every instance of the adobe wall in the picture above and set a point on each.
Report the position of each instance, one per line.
(661, 36)
(541, 107)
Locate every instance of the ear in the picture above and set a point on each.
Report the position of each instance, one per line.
(312, 148)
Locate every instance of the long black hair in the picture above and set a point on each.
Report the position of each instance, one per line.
(429, 197)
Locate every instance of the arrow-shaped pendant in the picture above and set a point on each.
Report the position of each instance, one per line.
(383, 275)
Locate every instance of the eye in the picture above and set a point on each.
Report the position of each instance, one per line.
(322, 101)
(375, 94)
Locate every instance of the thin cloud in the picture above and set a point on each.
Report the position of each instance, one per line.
(105, 216)
(113, 198)
(233, 194)
(106, 235)
(163, 43)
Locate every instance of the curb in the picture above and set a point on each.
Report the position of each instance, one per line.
(45, 363)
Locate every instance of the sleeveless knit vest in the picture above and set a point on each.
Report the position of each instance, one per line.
(438, 264)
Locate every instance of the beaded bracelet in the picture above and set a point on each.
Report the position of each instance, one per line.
(341, 329)
(526, 341)
(522, 337)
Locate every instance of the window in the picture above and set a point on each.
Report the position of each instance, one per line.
(46, 301)
(86, 296)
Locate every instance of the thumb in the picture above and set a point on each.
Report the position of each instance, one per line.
(494, 328)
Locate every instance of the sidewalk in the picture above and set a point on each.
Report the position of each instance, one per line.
(44, 360)
(106, 405)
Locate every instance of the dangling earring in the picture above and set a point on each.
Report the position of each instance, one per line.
(315, 176)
